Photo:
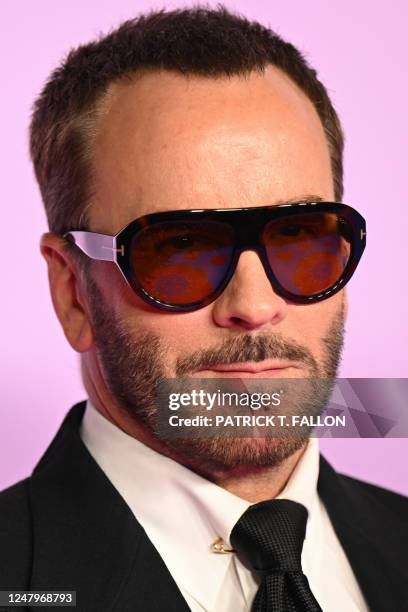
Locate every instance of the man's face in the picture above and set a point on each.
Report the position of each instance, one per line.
(167, 142)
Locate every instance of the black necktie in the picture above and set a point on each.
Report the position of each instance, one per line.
(268, 539)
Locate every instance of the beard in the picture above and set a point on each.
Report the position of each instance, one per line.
(134, 363)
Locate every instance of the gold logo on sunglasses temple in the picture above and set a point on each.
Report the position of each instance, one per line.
(121, 250)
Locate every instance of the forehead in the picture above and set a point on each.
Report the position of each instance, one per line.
(166, 141)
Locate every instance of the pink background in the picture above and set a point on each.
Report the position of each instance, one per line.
(360, 50)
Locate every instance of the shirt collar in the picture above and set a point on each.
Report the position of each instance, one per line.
(182, 512)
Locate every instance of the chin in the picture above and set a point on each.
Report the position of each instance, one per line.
(210, 456)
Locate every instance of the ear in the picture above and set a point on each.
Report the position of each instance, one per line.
(66, 292)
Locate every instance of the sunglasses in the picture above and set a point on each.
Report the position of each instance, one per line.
(183, 260)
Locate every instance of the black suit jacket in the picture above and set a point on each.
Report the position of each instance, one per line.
(66, 527)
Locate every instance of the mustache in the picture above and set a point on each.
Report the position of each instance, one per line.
(244, 348)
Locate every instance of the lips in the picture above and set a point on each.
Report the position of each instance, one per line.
(264, 369)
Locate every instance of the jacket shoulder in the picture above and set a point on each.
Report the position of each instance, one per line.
(388, 503)
(15, 537)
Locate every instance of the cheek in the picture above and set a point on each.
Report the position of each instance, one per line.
(314, 321)
(183, 333)
(179, 333)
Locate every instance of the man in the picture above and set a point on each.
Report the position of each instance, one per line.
(195, 110)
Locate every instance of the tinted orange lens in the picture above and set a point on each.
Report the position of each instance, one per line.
(308, 253)
(180, 263)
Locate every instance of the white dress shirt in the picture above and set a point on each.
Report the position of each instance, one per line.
(183, 514)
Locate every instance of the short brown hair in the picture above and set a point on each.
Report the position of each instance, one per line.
(194, 41)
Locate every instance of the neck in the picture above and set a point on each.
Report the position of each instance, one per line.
(259, 484)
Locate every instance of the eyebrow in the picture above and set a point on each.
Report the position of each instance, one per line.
(303, 198)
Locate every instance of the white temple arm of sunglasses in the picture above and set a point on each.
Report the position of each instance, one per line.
(96, 246)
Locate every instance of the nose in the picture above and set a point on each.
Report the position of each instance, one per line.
(249, 301)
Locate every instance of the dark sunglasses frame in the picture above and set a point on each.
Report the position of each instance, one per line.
(247, 224)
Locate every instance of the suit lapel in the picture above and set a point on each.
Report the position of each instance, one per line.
(86, 538)
(368, 539)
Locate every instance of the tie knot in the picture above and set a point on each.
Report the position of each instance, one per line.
(269, 536)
